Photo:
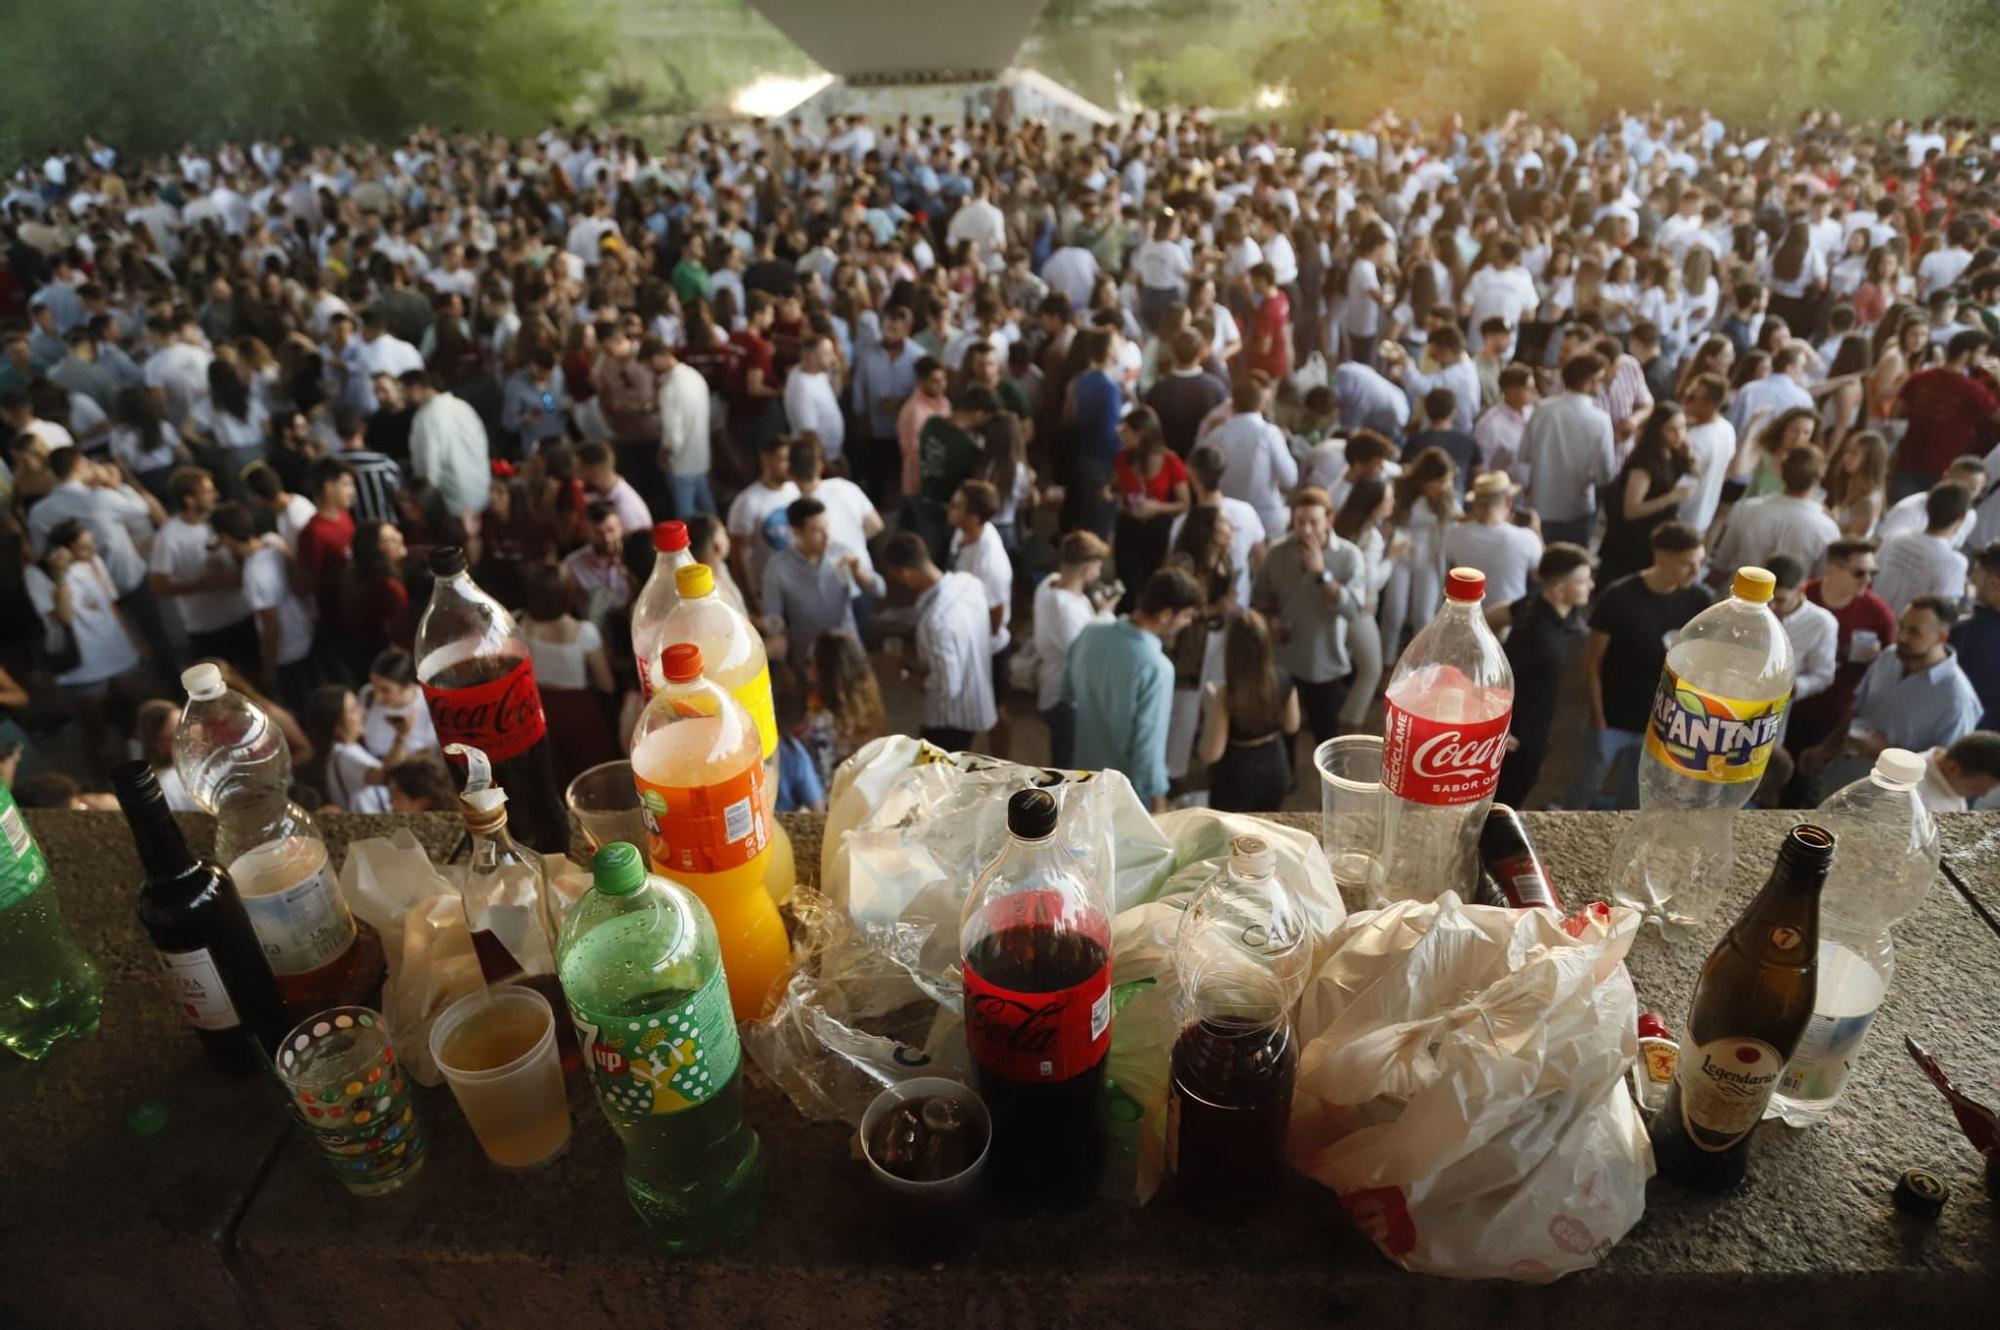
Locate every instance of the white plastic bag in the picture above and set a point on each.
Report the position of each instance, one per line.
(392, 886)
(1462, 1086)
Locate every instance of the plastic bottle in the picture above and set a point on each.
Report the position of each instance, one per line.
(1444, 736)
(701, 792)
(235, 763)
(1888, 855)
(656, 600)
(479, 682)
(1035, 954)
(49, 988)
(1717, 712)
(1240, 958)
(644, 980)
(732, 652)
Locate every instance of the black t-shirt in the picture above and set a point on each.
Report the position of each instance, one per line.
(1182, 401)
(1639, 624)
(1463, 450)
(1538, 646)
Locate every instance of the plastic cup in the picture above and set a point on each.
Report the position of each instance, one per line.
(349, 1093)
(930, 1220)
(1350, 813)
(606, 804)
(518, 1108)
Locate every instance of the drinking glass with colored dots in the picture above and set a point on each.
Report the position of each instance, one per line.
(350, 1092)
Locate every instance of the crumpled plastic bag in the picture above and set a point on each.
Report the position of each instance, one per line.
(1461, 1086)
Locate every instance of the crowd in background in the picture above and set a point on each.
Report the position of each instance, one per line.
(1159, 436)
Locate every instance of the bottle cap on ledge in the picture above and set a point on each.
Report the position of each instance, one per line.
(697, 579)
(1753, 584)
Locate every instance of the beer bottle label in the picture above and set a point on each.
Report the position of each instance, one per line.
(22, 867)
(667, 1062)
(198, 987)
(502, 716)
(705, 828)
(1725, 1085)
(1442, 762)
(1707, 737)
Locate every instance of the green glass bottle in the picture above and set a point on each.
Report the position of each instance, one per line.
(50, 986)
(641, 970)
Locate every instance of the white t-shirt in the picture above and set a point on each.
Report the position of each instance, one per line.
(1711, 447)
(758, 525)
(183, 551)
(267, 585)
(986, 559)
(1364, 315)
(298, 511)
(810, 405)
(1908, 514)
(229, 431)
(1501, 293)
(565, 664)
(106, 650)
(348, 768)
(1059, 616)
(1247, 532)
(380, 736)
(1506, 553)
(847, 512)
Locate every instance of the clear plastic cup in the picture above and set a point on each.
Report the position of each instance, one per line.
(1350, 813)
(606, 804)
(497, 1050)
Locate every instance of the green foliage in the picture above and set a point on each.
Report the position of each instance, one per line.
(147, 74)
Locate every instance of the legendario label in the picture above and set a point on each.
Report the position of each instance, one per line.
(666, 1062)
(1725, 1085)
(502, 716)
(1705, 737)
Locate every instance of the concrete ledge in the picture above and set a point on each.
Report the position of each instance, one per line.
(226, 1218)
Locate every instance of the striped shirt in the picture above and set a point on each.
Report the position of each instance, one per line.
(376, 480)
(953, 638)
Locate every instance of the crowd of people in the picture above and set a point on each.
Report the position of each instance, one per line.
(1162, 433)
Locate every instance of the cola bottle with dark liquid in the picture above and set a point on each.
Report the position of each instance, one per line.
(479, 682)
(1035, 949)
(1240, 956)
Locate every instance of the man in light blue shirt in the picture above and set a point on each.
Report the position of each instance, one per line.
(884, 378)
(1913, 697)
(1122, 683)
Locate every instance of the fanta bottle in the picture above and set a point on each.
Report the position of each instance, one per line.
(696, 762)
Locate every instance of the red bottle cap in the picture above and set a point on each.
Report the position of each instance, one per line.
(1466, 584)
(1653, 1026)
(668, 537)
(681, 662)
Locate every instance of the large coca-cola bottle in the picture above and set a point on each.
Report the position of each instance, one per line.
(1035, 951)
(479, 682)
(1444, 736)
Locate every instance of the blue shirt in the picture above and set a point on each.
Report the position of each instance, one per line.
(799, 784)
(1097, 403)
(1976, 642)
(882, 379)
(1123, 686)
(1931, 709)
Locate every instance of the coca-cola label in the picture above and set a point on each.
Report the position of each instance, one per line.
(1036, 1038)
(1442, 762)
(1705, 736)
(502, 716)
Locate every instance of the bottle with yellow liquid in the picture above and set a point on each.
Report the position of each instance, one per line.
(695, 760)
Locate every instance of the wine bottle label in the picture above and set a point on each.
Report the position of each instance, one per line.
(705, 828)
(22, 867)
(1442, 762)
(1820, 1065)
(668, 1061)
(1725, 1085)
(756, 699)
(1704, 736)
(198, 985)
(502, 716)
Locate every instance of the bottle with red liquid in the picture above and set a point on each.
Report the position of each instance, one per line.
(478, 679)
(1240, 957)
(1444, 735)
(1035, 951)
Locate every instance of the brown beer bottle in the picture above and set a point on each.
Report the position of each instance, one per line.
(1751, 1007)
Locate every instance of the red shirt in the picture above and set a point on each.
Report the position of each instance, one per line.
(748, 351)
(1172, 473)
(1273, 325)
(325, 546)
(1949, 413)
(1867, 612)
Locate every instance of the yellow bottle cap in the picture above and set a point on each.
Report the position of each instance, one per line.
(1752, 584)
(698, 579)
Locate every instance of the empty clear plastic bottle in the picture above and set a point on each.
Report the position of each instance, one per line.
(1887, 857)
(1716, 714)
(656, 600)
